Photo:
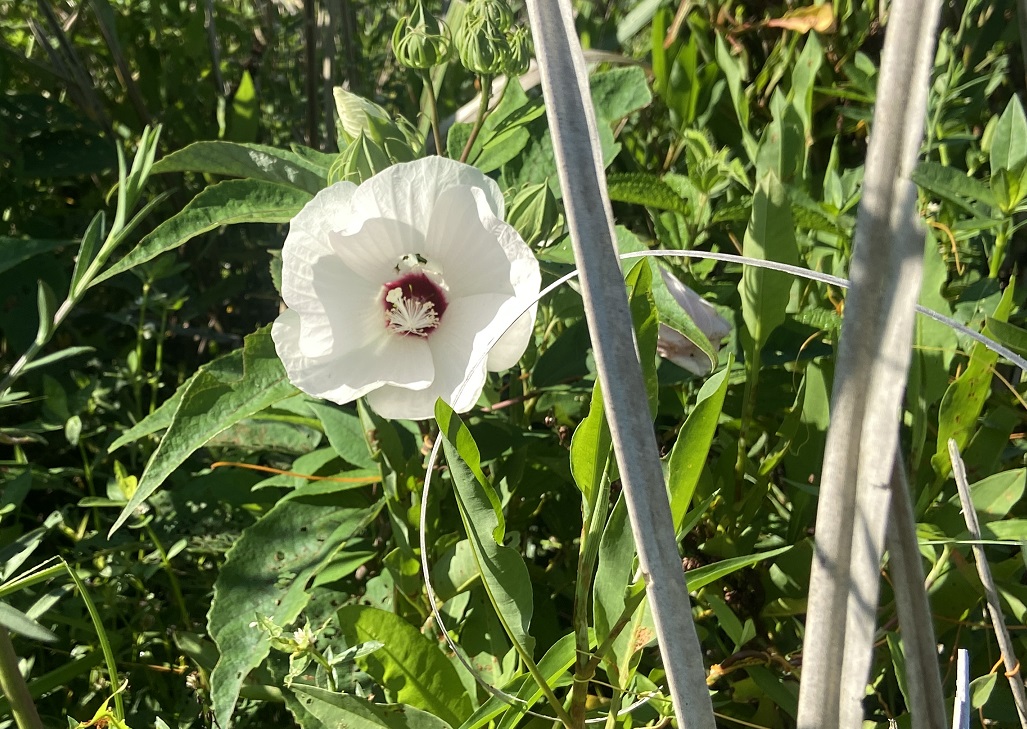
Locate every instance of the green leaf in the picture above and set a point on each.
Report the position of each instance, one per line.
(993, 497)
(244, 121)
(1007, 334)
(1009, 140)
(256, 161)
(619, 92)
(553, 666)
(345, 434)
(87, 249)
(14, 251)
(954, 186)
(18, 622)
(221, 394)
(964, 399)
(57, 357)
(502, 569)
(641, 188)
(410, 666)
(702, 576)
(266, 573)
(693, 445)
(226, 203)
(330, 711)
(770, 235)
(981, 688)
(47, 307)
(591, 446)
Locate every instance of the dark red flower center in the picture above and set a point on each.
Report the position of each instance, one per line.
(414, 304)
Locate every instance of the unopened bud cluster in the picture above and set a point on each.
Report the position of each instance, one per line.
(487, 41)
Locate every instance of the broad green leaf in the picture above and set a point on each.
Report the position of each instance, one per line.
(345, 433)
(993, 497)
(504, 133)
(965, 397)
(770, 235)
(692, 446)
(641, 282)
(331, 710)
(782, 148)
(1009, 140)
(162, 417)
(16, 250)
(502, 569)
(266, 573)
(733, 71)
(702, 576)
(642, 188)
(221, 394)
(226, 203)
(256, 161)
(18, 622)
(981, 688)
(804, 76)
(412, 667)
(619, 92)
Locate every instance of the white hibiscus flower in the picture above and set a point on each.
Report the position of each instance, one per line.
(401, 289)
(674, 345)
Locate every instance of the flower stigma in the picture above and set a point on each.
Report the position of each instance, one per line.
(414, 305)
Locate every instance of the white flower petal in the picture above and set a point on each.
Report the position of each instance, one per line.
(673, 345)
(508, 350)
(373, 250)
(702, 312)
(388, 360)
(407, 192)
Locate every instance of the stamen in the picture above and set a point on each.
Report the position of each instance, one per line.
(410, 315)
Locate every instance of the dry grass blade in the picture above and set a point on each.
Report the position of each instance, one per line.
(1005, 643)
(575, 140)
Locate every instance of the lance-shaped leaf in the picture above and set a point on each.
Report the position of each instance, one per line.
(256, 161)
(220, 395)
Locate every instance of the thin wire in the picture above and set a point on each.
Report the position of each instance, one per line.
(710, 255)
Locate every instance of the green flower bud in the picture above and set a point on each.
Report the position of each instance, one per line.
(361, 159)
(358, 116)
(519, 60)
(482, 41)
(420, 40)
(534, 213)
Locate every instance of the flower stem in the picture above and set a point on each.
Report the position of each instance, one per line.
(14, 688)
(433, 111)
(998, 255)
(483, 112)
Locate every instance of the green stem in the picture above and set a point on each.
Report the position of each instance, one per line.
(433, 111)
(483, 112)
(13, 686)
(748, 408)
(999, 254)
(596, 510)
(105, 644)
(137, 376)
(176, 588)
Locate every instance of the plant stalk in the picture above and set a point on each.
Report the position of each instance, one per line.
(13, 686)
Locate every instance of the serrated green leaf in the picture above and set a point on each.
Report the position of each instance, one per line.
(266, 573)
(226, 203)
(693, 445)
(256, 161)
(221, 394)
(409, 665)
(503, 571)
(770, 235)
(639, 188)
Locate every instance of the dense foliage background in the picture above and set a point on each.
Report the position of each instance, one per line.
(697, 102)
